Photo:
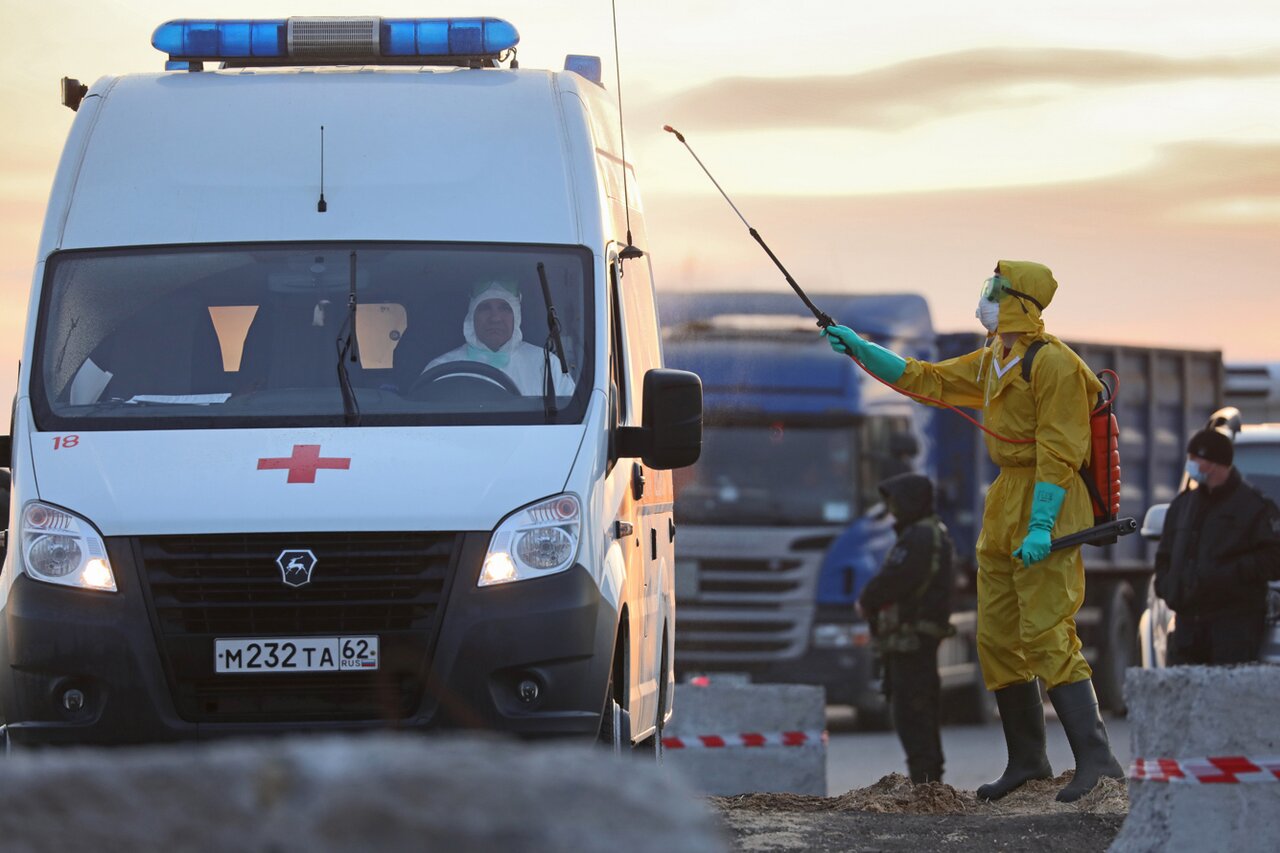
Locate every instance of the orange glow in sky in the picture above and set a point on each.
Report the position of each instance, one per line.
(1133, 147)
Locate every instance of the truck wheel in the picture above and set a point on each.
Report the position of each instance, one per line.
(1119, 640)
(873, 718)
(971, 705)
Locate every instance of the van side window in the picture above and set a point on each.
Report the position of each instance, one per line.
(641, 323)
(640, 343)
(617, 368)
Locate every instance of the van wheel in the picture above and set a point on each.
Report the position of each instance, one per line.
(615, 728)
(615, 722)
(651, 748)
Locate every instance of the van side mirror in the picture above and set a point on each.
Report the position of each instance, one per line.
(1153, 522)
(671, 436)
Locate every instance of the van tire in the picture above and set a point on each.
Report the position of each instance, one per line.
(615, 721)
(651, 748)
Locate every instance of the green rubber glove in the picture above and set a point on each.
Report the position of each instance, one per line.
(1046, 503)
(886, 364)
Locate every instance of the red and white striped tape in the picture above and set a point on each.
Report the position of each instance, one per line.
(745, 739)
(1217, 770)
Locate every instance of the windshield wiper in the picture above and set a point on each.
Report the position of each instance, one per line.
(349, 344)
(554, 343)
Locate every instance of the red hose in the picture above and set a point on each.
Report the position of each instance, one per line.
(921, 397)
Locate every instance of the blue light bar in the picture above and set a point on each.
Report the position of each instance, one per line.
(446, 36)
(315, 40)
(221, 39)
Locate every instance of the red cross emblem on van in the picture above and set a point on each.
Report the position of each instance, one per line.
(304, 462)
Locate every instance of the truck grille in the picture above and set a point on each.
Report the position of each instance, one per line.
(746, 611)
(203, 588)
(749, 577)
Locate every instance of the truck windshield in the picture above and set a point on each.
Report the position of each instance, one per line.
(1260, 465)
(771, 474)
(248, 335)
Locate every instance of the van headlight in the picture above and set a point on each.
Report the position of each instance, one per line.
(61, 547)
(540, 539)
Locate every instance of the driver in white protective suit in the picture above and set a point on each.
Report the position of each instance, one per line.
(492, 333)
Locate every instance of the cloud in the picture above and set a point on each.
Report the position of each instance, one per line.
(1140, 254)
(1214, 169)
(929, 88)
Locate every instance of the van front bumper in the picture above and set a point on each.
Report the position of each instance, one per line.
(80, 667)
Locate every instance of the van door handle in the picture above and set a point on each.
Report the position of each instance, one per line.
(637, 481)
(623, 529)
(671, 529)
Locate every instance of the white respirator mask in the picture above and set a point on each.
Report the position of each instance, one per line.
(988, 314)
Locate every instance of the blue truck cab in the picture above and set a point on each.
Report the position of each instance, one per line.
(780, 525)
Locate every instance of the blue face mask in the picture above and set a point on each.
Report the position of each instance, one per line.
(1194, 472)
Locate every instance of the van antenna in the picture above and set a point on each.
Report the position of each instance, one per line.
(630, 251)
(322, 205)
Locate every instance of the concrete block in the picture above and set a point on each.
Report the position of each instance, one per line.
(1202, 712)
(377, 792)
(766, 709)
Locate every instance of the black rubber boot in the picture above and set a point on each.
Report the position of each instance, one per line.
(1077, 707)
(1022, 717)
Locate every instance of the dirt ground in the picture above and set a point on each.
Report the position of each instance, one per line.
(892, 815)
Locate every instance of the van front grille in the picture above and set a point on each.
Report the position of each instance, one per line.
(203, 588)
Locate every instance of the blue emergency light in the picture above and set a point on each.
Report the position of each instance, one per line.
(314, 41)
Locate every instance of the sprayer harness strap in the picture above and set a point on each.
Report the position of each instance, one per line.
(1030, 356)
(1090, 486)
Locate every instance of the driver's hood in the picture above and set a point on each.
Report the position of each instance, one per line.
(131, 483)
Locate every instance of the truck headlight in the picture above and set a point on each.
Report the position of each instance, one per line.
(61, 547)
(540, 539)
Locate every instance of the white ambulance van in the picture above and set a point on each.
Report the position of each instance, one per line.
(342, 403)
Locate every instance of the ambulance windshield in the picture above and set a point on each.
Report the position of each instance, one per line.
(208, 337)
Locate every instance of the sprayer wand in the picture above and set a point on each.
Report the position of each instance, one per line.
(824, 319)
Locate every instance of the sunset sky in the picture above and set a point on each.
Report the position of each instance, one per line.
(1131, 145)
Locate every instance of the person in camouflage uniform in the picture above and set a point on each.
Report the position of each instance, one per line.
(908, 606)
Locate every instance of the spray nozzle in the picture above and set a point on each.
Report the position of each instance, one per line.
(669, 129)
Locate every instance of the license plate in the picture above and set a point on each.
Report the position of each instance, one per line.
(296, 654)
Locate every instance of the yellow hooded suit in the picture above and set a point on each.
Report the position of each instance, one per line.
(1026, 614)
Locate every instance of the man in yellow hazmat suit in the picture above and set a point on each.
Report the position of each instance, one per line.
(1027, 597)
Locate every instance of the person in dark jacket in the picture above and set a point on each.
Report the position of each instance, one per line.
(908, 605)
(1220, 546)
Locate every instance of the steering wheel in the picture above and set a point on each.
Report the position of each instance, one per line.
(473, 371)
